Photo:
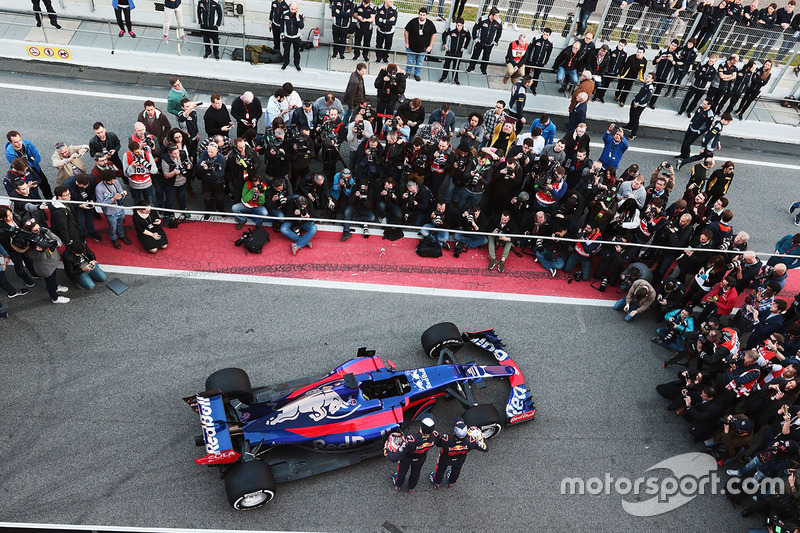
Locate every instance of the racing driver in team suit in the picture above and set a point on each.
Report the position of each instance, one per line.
(454, 452)
(416, 450)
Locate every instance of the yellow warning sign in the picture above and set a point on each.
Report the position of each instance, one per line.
(49, 52)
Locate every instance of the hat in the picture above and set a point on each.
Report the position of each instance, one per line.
(60, 145)
(427, 424)
(306, 103)
(744, 425)
(464, 146)
(460, 428)
(29, 224)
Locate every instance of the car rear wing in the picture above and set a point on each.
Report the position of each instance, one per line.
(219, 446)
(520, 406)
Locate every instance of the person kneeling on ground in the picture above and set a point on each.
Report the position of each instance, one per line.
(640, 297)
(148, 228)
(81, 266)
(253, 199)
(679, 323)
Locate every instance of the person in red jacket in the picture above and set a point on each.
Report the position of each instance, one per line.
(720, 300)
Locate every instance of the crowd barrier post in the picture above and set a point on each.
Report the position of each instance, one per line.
(786, 67)
(713, 40)
(602, 22)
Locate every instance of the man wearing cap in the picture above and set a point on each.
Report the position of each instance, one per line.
(416, 451)
(454, 452)
(419, 33)
(486, 33)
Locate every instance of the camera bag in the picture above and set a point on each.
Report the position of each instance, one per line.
(393, 234)
(254, 240)
(429, 247)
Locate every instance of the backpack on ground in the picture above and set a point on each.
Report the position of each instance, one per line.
(429, 247)
(253, 240)
(393, 234)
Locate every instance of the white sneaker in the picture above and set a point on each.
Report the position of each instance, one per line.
(514, 25)
(61, 300)
(62, 288)
(165, 40)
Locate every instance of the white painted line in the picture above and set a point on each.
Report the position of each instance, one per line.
(717, 156)
(352, 286)
(76, 92)
(72, 527)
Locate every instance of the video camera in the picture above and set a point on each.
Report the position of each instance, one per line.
(767, 271)
(22, 239)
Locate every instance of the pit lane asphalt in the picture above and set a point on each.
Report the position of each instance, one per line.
(95, 431)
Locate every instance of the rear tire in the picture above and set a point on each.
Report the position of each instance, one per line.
(233, 382)
(486, 418)
(439, 336)
(249, 485)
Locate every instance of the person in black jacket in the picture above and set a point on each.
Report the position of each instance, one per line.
(736, 89)
(640, 101)
(537, 56)
(684, 62)
(757, 82)
(613, 68)
(291, 24)
(633, 70)
(702, 77)
(364, 16)
(664, 63)
(80, 265)
(416, 449)
(62, 218)
(209, 16)
(704, 415)
(500, 228)
(385, 20)
(455, 41)
(567, 64)
(106, 142)
(597, 63)
(486, 34)
(390, 84)
(342, 14)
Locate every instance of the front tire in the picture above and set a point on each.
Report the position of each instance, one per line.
(439, 336)
(233, 382)
(249, 485)
(486, 418)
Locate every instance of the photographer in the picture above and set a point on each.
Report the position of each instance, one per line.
(717, 348)
(10, 226)
(276, 199)
(343, 184)
(313, 188)
(478, 175)
(471, 131)
(109, 191)
(551, 252)
(278, 152)
(745, 268)
(456, 178)
(368, 158)
(552, 155)
(695, 256)
(22, 205)
(41, 246)
(676, 234)
(667, 172)
(734, 437)
(440, 160)
(21, 171)
(397, 126)
(638, 300)
(358, 131)
(387, 201)
(211, 169)
(550, 188)
(679, 322)
(767, 323)
(62, 218)
(756, 303)
(303, 151)
(585, 249)
(689, 384)
(301, 231)
(138, 164)
(359, 208)
(704, 414)
(613, 259)
(437, 224)
(253, 200)
(67, 160)
(394, 153)
(80, 265)
(240, 165)
(787, 252)
(176, 167)
(332, 134)
(470, 221)
(633, 272)
(390, 85)
(415, 203)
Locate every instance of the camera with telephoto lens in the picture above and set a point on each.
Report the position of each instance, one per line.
(22, 239)
(258, 189)
(389, 123)
(603, 284)
(766, 272)
(735, 264)
(358, 129)
(470, 218)
(779, 525)
(304, 210)
(281, 198)
(728, 421)
(438, 219)
(362, 191)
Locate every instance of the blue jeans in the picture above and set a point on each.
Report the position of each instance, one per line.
(620, 305)
(175, 196)
(577, 259)
(307, 229)
(115, 222)
(241, 208)
(392, 212)
(144, 194)
(86, 279)
(677, 344)
(547, 261)
(562, 74)
(471, 241)
(354, 213)
(85, 220)
(415, 61)
(441, 235)
(441, 7)
(277, 213)
(583, 21)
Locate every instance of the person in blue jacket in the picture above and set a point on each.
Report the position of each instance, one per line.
(788, 250)
(18, 147)
(615, 145)
(547, 128)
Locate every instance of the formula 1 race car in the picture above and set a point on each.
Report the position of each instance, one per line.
(267, 435)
